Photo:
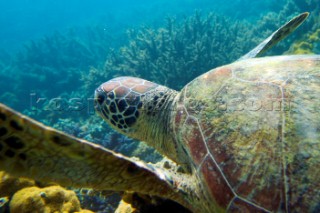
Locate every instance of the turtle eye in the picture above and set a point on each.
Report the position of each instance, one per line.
(100, 98)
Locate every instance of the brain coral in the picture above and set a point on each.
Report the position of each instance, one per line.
(48, 199)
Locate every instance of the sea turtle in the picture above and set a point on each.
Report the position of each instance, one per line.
(244, 137)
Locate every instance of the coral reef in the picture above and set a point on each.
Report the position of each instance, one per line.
(295, 43)
(309, 45)
(185, 49)
(53, 65)
(48, 199)
(179, 50)
(10, 185)
(25, 195)
(99, 201)
(308, 40)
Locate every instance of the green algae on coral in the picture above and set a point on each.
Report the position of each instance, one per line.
(309, 44)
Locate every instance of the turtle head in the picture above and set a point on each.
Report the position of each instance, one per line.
(139, 109)
(119, 102)
(126, 103)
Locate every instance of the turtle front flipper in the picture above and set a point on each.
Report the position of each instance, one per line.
(277, 36)
(31, 149)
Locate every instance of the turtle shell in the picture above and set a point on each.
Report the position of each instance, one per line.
(252, 130)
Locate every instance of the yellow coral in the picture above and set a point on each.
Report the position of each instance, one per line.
(314, 37)
(125, 205)
(48, 199)
(26, 196)
(302, 47)
(84, 211)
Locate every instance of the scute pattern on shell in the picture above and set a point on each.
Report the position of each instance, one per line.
(251, 130)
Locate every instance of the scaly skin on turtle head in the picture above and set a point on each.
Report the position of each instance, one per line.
(140, 109)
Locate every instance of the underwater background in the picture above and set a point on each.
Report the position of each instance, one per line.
(54, 53)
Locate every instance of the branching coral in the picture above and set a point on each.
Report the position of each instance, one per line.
(177, 53)
(53, 65)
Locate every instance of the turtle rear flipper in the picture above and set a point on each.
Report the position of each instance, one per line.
(277, 36)
(31, 149)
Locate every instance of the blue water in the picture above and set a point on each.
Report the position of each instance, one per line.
(22, 20)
